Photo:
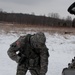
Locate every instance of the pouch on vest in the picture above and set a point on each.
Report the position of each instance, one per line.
(68, 72)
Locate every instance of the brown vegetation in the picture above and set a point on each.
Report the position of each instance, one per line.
(7, 28)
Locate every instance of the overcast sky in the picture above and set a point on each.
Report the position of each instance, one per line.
(39, 7)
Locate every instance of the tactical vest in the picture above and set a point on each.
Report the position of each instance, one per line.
(31, 54)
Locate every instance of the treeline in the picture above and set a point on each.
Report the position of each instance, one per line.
(31, 19)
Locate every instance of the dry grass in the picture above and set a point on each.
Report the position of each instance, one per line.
(17, 27)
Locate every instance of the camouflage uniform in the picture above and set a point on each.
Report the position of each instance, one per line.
(70, 70)
(37, 41)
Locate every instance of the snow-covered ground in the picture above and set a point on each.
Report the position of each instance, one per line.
(61, 50)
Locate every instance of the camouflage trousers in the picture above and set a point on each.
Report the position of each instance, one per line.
(22, 69)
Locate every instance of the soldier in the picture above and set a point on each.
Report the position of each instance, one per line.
(70, 70)
(31, 53)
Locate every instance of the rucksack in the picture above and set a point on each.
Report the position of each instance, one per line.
(25, 46)
(27, 51)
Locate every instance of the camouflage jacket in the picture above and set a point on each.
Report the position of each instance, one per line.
(14, 48)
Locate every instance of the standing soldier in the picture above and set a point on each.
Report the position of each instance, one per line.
(31, 53)
(70, 70)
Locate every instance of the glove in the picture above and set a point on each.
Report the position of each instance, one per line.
(17, 59)
(22, 60)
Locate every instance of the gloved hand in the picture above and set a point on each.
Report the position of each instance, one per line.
(22, 60)
(17, 59)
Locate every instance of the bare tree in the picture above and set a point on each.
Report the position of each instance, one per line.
(32, 13)
(53, 15)
(1, 10)
(69, 18)
(73, 23)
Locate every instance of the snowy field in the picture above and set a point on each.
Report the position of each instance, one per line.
(61, 50)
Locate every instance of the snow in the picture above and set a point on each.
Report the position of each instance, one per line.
(61, 50)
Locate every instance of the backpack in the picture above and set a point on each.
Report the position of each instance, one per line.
(26, 48)
(27, 52)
